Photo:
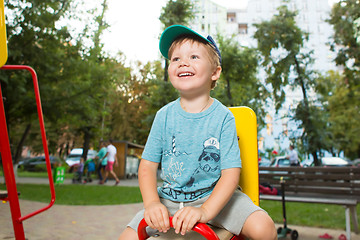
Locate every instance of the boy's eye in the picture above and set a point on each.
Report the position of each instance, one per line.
(175, 59)
(194, 57)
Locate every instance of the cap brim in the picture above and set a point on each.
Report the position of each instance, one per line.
(171, 33)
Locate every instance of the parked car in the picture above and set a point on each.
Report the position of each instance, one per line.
(333, 162)
(280, 161)
(73, 159)
(356, 162)
(38, 163)
(306, 162)
(264, 163)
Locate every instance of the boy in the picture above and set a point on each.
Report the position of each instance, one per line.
(195, 140)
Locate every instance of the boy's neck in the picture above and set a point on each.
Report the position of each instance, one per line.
(196, 105)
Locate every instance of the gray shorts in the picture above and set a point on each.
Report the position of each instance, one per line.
(232, 217)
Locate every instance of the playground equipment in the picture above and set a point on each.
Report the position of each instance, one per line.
(245, 120)
(11, 195)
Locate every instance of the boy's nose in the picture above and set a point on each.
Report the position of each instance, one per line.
(184, 63)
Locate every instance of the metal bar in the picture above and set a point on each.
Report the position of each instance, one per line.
(43, 135)
(347, 223)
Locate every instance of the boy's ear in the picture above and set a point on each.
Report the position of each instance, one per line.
(216, 74)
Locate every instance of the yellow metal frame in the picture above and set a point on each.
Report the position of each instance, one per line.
(246, 128)
(3, 45)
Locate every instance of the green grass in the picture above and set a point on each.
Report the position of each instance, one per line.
(40, 174)
(307, 214)
(80, 194)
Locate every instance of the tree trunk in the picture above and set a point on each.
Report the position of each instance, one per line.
(21, 144)
(228, 92)
(316, 159)
(166, 75)
(87, 138)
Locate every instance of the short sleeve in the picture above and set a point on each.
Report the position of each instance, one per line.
(153, 147)
(229, 146)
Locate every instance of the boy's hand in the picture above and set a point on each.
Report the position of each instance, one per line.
(157, 216)
(185, 219)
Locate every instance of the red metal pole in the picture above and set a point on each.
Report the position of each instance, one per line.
(9, 174)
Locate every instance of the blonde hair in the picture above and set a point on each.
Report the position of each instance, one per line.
(213, 55)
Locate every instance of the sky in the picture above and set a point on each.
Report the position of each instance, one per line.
(135, 27)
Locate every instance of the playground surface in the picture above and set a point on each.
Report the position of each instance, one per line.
(63, 222)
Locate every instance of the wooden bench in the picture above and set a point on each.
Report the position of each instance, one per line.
(327, 185)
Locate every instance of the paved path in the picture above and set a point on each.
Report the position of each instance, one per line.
(62, 222)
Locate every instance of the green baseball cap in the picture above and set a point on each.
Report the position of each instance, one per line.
(171, 33)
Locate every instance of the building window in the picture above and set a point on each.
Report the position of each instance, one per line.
(231, 16)
(243, 28)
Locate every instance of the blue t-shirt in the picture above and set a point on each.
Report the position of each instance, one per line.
(101, 154)
(192, 148)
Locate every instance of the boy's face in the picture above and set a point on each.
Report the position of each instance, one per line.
(191, 71)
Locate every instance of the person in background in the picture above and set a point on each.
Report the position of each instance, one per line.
(111, 161)
(293, 157)
(101, 163)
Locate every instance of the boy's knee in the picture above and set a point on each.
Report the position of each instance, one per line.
(266, 231)
(259, 225)
(128, 234)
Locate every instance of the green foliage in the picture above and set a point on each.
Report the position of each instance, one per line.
(34, 40)
(177, 12)
(342, 114)
(345, 17)
(343, 104)
(238, 84)
(74, 80)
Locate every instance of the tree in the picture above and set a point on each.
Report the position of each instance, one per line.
(281, 43)
(33, 40)
(175, 12)
(74, 79)
(345, 18)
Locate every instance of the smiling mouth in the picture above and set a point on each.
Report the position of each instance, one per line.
(187, 74)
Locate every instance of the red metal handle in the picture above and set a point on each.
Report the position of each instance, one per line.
(200, 228)
(43, 135)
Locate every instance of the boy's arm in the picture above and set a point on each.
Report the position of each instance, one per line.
(185, 219)
(156, 214)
